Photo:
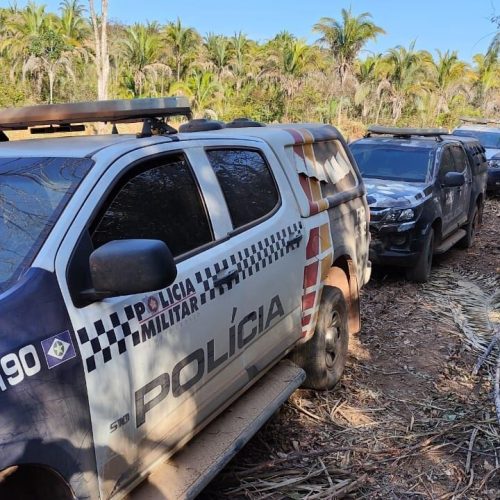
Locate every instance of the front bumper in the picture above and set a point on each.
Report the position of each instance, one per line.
(493, 183)
(396, 244)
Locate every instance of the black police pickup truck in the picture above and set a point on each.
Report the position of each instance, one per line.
(425, 190)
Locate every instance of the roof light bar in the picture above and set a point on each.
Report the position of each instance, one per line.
(115, 111)
(479, 121)
(406, 132)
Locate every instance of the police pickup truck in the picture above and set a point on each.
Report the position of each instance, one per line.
(150, 281)
(425, 189)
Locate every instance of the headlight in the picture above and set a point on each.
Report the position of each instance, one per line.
(403, 215)
(494, 162)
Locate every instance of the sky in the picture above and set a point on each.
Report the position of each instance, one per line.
(462, 25)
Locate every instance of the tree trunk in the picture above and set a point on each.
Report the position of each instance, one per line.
(51, 85)
(99, 26)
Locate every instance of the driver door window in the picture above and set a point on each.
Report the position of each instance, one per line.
(159, 201)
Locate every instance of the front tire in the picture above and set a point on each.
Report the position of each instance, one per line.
(421, 272)
(324, 356)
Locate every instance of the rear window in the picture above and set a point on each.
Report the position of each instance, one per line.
(246, 182)
(392, 162)
(488, 139)
(33, 193)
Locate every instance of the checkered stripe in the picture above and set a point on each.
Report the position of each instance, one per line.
(114, 335)
(110, 338)
(248, 261)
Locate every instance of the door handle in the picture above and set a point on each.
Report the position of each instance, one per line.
(225, 277)
(294, 239)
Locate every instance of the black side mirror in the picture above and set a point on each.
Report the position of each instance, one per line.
(454, 179)
(125, 267)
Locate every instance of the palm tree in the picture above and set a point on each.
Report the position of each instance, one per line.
(202, 87)
(448, 76)
(219, 51)
(486, 78)
(143, 51)
(182, 41)
(72, 23)
(405, 78)
(344, 39)
(368, 74)
(240, 44)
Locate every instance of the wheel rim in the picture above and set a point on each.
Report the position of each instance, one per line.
(332, 338)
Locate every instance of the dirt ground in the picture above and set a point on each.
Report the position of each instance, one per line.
(409, 419)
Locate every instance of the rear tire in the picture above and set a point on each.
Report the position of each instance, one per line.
(323, 357)
(421, 272)
(471, 228)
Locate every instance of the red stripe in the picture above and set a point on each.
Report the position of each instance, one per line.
(306, 320)
(297, 136)
(299, 150)
(310, 275)
(313, 208)
(308, 301)
(313, 244)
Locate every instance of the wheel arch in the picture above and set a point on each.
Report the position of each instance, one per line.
(34, 482)
(343, 275)
(437, 225)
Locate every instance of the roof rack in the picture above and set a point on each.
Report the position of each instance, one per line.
(404, 132)
(68, 117)
(479, 121)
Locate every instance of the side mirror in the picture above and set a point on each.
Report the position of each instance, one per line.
(454, 179)
(125, 267)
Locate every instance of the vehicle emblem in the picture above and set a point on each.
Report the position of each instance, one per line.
(58, 349)
(153, 304)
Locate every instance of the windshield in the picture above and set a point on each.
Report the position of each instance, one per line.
(33, 192)
(490, 140)
(392, 162)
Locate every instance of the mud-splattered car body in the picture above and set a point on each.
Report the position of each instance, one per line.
(408, 195)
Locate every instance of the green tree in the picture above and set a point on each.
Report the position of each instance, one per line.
(447, 78)
(143, 53)
(183, 43)
(48, 55)
(345, 38)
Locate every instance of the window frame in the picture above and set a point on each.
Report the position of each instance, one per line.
(260, 220)
(128, 173)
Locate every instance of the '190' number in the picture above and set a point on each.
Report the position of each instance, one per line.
(15, 367)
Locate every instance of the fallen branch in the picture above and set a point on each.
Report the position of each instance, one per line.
(487, 352)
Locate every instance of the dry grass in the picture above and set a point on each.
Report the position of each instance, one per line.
(409, 419)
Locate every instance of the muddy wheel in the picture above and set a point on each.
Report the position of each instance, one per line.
(422, 270)
(468, 240)
(323, 357)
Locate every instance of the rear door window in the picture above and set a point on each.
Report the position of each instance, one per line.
(158, 200)
(447, 164)
(246, 182)
(332, 157)
(459, 158)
